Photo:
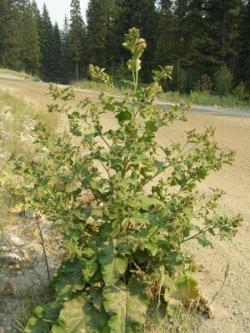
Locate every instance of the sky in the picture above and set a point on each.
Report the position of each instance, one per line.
(59, 8)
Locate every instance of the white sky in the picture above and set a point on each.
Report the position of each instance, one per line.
(58, 9)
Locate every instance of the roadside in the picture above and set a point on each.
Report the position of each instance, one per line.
(20, 84)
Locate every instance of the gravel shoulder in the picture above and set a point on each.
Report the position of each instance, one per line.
(232, 307)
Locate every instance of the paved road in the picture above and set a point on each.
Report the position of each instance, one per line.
(8, 81)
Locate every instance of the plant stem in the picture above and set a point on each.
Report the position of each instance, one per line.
(44, 249)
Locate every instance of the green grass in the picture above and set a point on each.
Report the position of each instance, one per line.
(206, 98)
(195, 97)
(21, 74)
(99, 86)
(15, 118)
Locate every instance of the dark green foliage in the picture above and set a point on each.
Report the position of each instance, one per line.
(77, 35)
(240, 92)
(57, 55)
(196, 37)
(124, 219)
(46, 42)
(67, 67)
(243, 65)
(140, 14)
(30, 42)
(100, 24)
(10, 39)
(223, 81)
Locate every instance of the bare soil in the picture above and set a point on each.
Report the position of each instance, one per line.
(232, 306)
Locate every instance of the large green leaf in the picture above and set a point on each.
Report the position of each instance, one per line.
(43, 318)
(112, 266)
(89, 269)
(69, 279)
(36, 325)
(72, 317)
(127, 310)
(79, 316)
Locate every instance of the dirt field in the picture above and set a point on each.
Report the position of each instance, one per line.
(232, 307)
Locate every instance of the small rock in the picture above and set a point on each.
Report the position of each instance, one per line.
(10, 258)
(15, 240)
(4, 249)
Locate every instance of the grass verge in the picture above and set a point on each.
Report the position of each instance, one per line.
(206, 98)
(195, 97)
(21, 74)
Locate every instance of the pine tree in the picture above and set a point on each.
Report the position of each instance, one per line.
(100, 17)
(30, 41)
(182, 80)
(166, 41)
(10, 35)
(3, 28)
(77, 35)
(222, 27)
(66, 53)
(46, 44)
(143, 15)
(56, 73)
(198, 59)
(243, 64)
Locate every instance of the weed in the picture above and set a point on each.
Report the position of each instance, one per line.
(106, 189)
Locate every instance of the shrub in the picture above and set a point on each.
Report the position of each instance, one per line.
(240, 91)
(223, 81)
(124, 219)
(204, 84)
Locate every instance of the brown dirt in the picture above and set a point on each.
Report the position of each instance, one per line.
(232, 307)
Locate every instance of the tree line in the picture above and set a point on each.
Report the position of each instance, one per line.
(200, 38)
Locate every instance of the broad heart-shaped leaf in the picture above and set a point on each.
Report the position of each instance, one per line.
(72, 317)
(43, 318)
(69, 279)
(36, 325)
(127, 310)
(79, 316)
(112, 266)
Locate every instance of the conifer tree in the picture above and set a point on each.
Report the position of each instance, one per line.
(76, 35)
(100, 17)
(166, 41)
(243, 64)
(143, 15)
(46, 44)
(10, 35)
(222, 28)
(197, 59)
(66, 53)
(30, 41)
(57, 55)
(3, 28)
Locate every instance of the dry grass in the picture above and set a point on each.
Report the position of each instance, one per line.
(181, 321)
(21, 74)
